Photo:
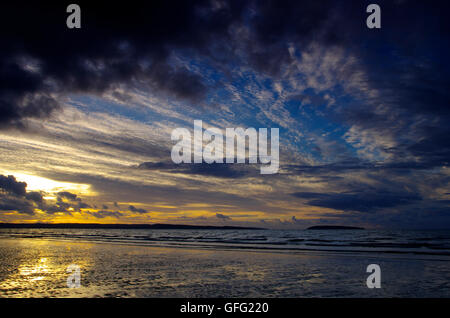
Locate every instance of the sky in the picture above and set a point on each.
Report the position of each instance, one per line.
(86, 114)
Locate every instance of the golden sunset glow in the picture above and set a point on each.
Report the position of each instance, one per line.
(37, 183)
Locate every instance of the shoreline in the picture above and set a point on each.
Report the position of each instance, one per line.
(404, 255)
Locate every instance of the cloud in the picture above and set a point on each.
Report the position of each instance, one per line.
(67, 195)
(104, 214)
(393, 112)
(66, 199)
(43, 59)
(394, 100)
(34, 196)
(212, 170)
(137, 210)
(223, 217)
(358, 201)
(14, 196)
(14, 203)
(9, 184)
(363, 114)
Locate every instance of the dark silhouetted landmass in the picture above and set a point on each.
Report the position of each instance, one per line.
(334, 227)
(121, 226)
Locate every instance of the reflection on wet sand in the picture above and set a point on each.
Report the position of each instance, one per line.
(35, 269)
(38, 268)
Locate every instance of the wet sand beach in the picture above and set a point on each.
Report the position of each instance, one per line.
(33, 267)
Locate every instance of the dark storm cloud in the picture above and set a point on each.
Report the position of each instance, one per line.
(19, 204)
(283, 21)
(82, 205)
(103, 214)
(34, 196)
(416, 115)
(340, 166)
(223, 217)
(117, 44)
(131, 43)
(14, 196)
(327, 170)
(358, 201)
(406, 66)
(9, 184)
(276, 24)
(204, 169)
(137, 210)
(66, 200)
(67, 195)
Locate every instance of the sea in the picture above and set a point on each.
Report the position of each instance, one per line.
(413, 242)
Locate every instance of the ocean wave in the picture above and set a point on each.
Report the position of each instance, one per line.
(399, 242)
